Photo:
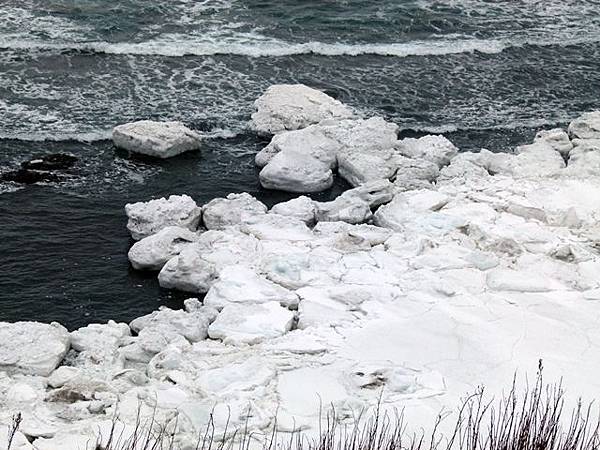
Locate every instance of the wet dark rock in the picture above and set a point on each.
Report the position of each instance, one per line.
(25, 176)
(53, 161)
(44, 168)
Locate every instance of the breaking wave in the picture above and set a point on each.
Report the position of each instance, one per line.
(176, 45)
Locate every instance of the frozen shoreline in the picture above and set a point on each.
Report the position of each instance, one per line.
(472, 266)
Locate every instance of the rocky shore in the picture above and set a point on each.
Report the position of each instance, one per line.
(438, 271)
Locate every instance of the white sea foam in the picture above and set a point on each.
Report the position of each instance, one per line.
(100, 135)
(509, 125)
(255, 46)
(90, 136)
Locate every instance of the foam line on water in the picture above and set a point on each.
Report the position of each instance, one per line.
(176, 46)
(91, 136)
(100, 135)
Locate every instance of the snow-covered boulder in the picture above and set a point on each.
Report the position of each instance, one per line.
(302, 208)
(296, 172)
(220, 213)
(584, 158)
(557, 138)
(316, 141)
(238, 284)
(251, 323)
(97, 337)
(62, 375)
(350, 209)
(368, 150)
(354, 206)
(434, 148)
(159, 139)
(98, 349)
(293, 106)
(318, 309)
(586, 126)
(520, 281)
(32, 348)
(366, 135)
(277, 228)
(188, 272)
(191, 325)
(153, 252)
(461, 169)
(147, 218)
(361, 167)
(480, 165)
(228, 247)
(538, 159)
(302, 161)
(413, 208)
(370, 234)
(414, 173)
(374, 193)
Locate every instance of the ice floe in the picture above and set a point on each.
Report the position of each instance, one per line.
(437, 272)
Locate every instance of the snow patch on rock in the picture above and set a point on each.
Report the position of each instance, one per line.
(148, 218)
(158, 139)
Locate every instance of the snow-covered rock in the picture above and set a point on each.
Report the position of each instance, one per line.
(296, 172)
(220, 213)
(481, 165)
(520, 281)
(32, 348)
(584, 158)
(354, 206)
(62, 375)
(316, 141)
(225, 248)
(191, 325)
(277, 228)
(367, 151)
(414, 173)
(302, 161)
(302, 208)
(238, 284)
(152, 340)
(147, 218)
(374, 193)
(98, 346)
(455, 286)
(433, 148)
(317, 308)
(463, 167)
(373, 135)
(251, 323)
(293, 106)
(159, 139)
(349, 209)
(153, 252)
(417, 210)
(371, 234)
(361, 167)
(557, 138)
(188, 271)
(99, 337)
(586, 126)
(538, 159)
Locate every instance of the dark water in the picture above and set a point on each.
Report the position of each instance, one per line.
(485, 73)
